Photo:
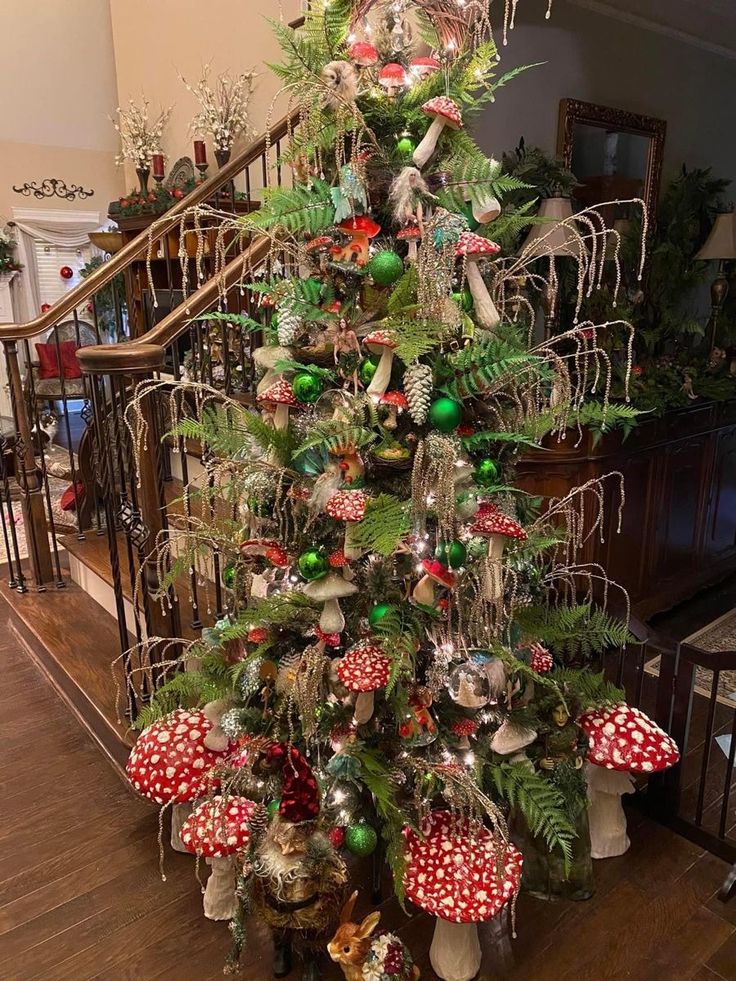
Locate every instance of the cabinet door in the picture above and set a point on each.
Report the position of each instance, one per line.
(720, 534)
(624, 554)
(680, 504)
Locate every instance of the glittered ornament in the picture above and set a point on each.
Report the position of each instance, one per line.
(464, 300)
(445, 414)
(229, 575)
(361, 840)
(306, 387)
(386, 267)
(272, 808)
(337, 837)
(367, 370)
(312, 564)
(487, 472)
(451, 554)
(378, 612)
(405, 148)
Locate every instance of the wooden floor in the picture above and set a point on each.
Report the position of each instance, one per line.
(81, 896)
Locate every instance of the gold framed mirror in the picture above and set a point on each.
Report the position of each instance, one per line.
(614, 154)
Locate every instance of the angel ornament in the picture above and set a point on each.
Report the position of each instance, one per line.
(347, 353)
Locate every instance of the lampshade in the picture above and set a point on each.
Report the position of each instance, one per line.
(721, 242)
(552, 237)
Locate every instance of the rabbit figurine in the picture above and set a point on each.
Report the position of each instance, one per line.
(363, 958)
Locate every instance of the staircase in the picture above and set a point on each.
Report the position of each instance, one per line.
(79, 598)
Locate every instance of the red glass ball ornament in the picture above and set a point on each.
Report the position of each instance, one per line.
(337, 837)
(66, 272)
(45, 307)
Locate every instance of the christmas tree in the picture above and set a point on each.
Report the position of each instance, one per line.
(411, 641)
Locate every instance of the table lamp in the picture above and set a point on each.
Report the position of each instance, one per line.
(552, 238)
(721, 245)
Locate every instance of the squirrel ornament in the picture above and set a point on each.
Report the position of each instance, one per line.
(366, 958)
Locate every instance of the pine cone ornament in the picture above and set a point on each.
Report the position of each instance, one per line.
(289, 326)
(418, 385)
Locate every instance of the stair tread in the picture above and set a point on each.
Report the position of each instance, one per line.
(75, 642)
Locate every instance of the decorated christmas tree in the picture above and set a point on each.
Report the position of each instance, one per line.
(410, 655)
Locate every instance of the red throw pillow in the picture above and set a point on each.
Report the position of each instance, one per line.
(69, 499)
(52, 358)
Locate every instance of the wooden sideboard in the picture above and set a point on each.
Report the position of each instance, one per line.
(679, 523)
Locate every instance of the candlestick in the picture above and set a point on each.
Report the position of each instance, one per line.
(200, 153)
(157, 167)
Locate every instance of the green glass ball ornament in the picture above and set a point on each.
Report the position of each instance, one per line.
(312, 564)
(306, 386)
(272, 808)
(464, 300)
(367, 370)
(451, 554)
(467, 212)
(229, 575)
(487, 472)
(386, 267)
(406, 147)
(445, 414)
(378, 612)
(361, 839)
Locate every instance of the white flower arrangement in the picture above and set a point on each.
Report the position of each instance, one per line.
(223, 115)
(139, 137)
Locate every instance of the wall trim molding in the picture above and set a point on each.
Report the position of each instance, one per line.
(636, 20)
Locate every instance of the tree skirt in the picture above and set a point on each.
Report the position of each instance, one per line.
(720, 635)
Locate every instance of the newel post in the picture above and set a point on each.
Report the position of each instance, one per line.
(28, 476)
(125, 366)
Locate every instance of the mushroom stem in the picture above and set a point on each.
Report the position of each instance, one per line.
(281, 417)
(391, 420)
(380, 381)
(412, 253)
(455, 953)
(606, 816)
(220, 901)
(332, 621)
(485, 309)
(463, 742)
(352, 552)
(426, 148)
(179, 814)
(493, 586)
(363, 707)
(424, 591)
(485, 209)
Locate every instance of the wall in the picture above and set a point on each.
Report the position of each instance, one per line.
(58, 89)
(599, 59)
(156, 41)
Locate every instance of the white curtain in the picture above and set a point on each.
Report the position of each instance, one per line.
(67, 229)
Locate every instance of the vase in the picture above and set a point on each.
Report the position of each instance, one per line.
(143, 174)
(222, 157)
(543, 874)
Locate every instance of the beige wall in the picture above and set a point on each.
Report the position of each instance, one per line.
(58, 89)
(183, 36)
(600, 59)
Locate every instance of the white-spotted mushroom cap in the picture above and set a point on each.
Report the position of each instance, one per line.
(445, 108)
(458, 872)
(218, 827)
(621, 737)
(363, 53)
(347, 505)
(364, 667)
(492, 521)
(170, 763)
(474, 246)
(541, 660)
(377, 340)
(280, 393)
(424, 65)
(392, 76)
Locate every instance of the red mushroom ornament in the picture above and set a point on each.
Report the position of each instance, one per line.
(279, 398)
(622, 740)
(363, 53)
(171, 764)
(463, 875)
(498, 528)
(360, 229)
(443, 112)
(217, 830)
(348, 506)
(364, 669)
(473, 249)
(434, 572)
(381, 342)
(392, 77)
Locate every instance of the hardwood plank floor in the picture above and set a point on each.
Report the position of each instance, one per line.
(81, 897)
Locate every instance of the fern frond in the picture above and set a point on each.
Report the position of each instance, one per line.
(385, 523)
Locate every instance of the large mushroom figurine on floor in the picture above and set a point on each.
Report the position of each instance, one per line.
(622, 740)
(498, 528)
(171, 764)
(473, 249)
(217, 830)
(463, 875)
(443, 112)
(364, 669)
(381, 342)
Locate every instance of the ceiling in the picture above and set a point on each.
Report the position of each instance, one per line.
(709, 21)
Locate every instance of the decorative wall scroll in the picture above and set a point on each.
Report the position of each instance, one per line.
(52, 187)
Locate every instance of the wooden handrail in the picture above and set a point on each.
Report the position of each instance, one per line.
(117, 263)
(139, 355)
